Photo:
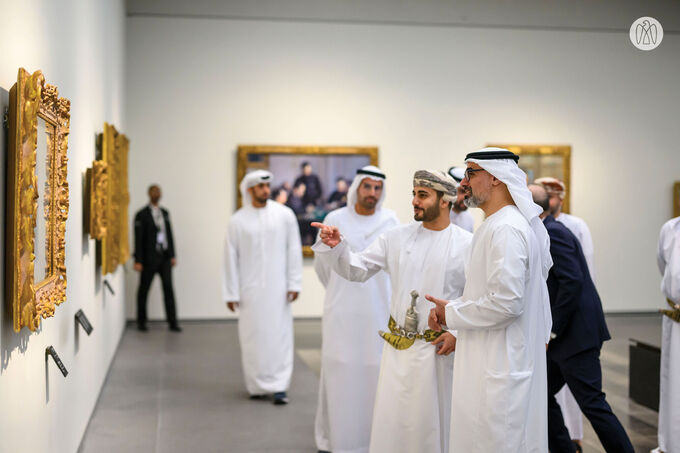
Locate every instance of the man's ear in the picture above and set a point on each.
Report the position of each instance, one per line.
(495, 181)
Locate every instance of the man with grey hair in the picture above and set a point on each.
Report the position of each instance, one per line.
(556, 192)
(503, 316)
(412, 405)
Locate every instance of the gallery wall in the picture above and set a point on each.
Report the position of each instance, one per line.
(425, 95)
(79, 47)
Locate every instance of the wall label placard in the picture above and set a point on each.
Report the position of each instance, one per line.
(84, 322)
(50, 351)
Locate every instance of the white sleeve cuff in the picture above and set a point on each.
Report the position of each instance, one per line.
(320, 247)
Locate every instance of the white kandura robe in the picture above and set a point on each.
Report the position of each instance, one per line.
(668, 258)
(412, 406)
(353, 313)
(263, 261)
(500, 377)
(573, 419)
(463, 219)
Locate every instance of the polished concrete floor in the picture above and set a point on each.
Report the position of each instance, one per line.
(184, 392)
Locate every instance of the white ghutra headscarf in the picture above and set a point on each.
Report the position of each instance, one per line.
(250, 180)
(502, 164)
(371, 172)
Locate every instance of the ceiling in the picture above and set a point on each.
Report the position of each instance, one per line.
(596, 15)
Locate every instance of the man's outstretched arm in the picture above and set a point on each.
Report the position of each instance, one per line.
(352, 266)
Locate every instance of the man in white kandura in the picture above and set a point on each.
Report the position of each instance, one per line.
(503, 317)
(573, 419)
(353, 314)
(412, 405)
(556, 191)
(668, 258)
(262, 276)
(459, 212)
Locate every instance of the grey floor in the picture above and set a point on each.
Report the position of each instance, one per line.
(184, 393)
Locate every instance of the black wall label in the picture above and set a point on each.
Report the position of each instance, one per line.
(109, 287)
(57, 360)
(83, 321)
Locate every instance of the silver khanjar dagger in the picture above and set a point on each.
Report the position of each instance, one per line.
(411, 320)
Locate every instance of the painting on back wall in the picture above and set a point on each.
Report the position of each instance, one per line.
(311, 180)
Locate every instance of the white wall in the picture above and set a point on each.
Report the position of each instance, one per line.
(197, 88)
(79, 47)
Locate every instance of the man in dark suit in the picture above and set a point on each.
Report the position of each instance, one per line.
(578, 331)
(313, 189)
(154, 254)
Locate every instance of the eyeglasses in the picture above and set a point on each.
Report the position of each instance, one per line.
(470, 171)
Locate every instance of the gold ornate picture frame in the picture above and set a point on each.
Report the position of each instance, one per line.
(676, 199)
(30, 99)
(539, 161)
(115, 249)
(329, 164)
(97, 189)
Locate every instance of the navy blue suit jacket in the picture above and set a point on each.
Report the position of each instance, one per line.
(578, 320)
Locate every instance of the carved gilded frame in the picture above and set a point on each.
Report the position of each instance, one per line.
(243, 164)
(115, 244)
(98, 190)
(538, 151)
(31, 98)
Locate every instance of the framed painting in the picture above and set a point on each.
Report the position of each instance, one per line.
(97, 190)
(539, 161)
(115, 247)
(311, 180)
(676, 199)
(37, 200)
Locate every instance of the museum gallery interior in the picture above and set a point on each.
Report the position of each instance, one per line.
(236, 147)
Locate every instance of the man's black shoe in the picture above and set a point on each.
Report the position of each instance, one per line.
(175, 328)
(142, 328)
(258, 397)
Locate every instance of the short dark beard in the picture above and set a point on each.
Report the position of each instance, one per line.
(260, 200)
(429, 214)
(369, 206)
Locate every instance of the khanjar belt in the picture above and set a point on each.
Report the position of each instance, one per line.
(674, 313)
(401, 339)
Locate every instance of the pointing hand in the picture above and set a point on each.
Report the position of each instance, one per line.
(437, 314)
(329, 235)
